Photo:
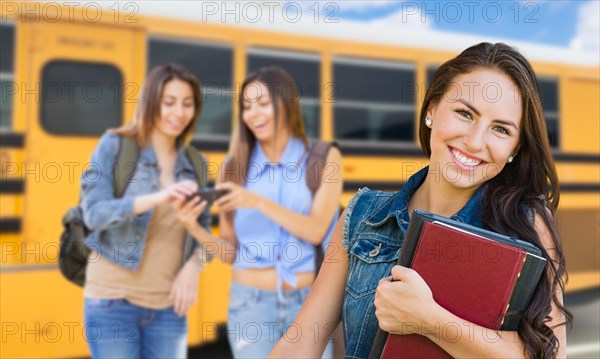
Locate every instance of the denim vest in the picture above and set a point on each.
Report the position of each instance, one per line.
(374, 229)
(116, 232)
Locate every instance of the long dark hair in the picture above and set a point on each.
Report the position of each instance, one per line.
(521, 188)
(283, 92)
(148, 107)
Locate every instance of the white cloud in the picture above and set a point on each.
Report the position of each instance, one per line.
(413, 19)
(587, 36)
(340, 6)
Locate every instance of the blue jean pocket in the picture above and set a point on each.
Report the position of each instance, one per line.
(241, 297)
(100, 304)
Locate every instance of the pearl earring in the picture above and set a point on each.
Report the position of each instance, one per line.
(510, 159)
(428, 122)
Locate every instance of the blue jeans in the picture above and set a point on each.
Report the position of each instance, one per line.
(257, 319)
(115, 328)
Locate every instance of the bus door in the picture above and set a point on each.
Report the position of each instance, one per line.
(80, 79)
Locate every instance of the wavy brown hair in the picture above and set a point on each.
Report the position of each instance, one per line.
(521, 188)
(284, 96)
(148, 107)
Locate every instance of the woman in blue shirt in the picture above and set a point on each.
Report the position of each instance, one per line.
(490, 165)
(269, 222)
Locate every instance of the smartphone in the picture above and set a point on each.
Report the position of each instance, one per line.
(209, 194)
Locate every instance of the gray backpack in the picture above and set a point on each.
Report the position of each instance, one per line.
(317, 158)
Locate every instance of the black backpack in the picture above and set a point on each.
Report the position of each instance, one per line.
(73, 256)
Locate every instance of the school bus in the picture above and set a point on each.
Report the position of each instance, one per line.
(69, 72)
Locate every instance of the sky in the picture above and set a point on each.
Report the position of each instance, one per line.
(565, 23)
(569, 24)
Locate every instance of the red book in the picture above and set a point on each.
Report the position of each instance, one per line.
(469, 275)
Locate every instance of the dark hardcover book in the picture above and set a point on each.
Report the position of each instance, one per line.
(483, 277)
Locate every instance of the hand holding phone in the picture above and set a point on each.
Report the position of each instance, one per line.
(209, 194)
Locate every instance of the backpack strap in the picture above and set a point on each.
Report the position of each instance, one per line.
(199, 163)
(317, 158)
(315, 164)
(126, 164)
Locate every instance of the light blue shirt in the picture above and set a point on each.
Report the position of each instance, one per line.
(264, 243)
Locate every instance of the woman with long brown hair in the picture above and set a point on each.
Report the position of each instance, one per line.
(142, 275)
(490, 165)
(269, 222)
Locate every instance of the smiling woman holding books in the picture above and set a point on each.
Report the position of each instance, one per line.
(482, 126)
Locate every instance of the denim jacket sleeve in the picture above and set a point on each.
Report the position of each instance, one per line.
(101, 210)
(205, 219)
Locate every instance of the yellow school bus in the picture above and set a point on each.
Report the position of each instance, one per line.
(70, 71)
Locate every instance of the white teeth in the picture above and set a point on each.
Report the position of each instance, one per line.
(464, 160)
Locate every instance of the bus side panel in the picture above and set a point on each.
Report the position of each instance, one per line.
(42, 316)
(579, 230)
(580, 129)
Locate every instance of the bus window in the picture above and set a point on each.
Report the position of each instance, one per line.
(81, 98)
(213, 66)
(375, 124)
(431, 69)
(7, 85)
(374, 100)
(305, 70)
(549, 95)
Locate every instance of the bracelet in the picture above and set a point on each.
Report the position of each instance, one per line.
(199, 257)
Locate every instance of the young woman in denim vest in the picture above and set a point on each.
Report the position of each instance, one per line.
(269, 221)
(490, 166)
(142, 275)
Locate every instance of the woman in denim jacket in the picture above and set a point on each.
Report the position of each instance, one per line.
(142, 274)
(269, 222)
(489, 162)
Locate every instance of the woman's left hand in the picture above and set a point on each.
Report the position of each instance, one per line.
(238, 197)
(404, 302)
(185, 287)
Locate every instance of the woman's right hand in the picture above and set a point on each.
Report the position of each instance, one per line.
(188, 211)
(404, 303)
(176, 191)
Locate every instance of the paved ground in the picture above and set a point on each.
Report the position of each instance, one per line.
(583, 339)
